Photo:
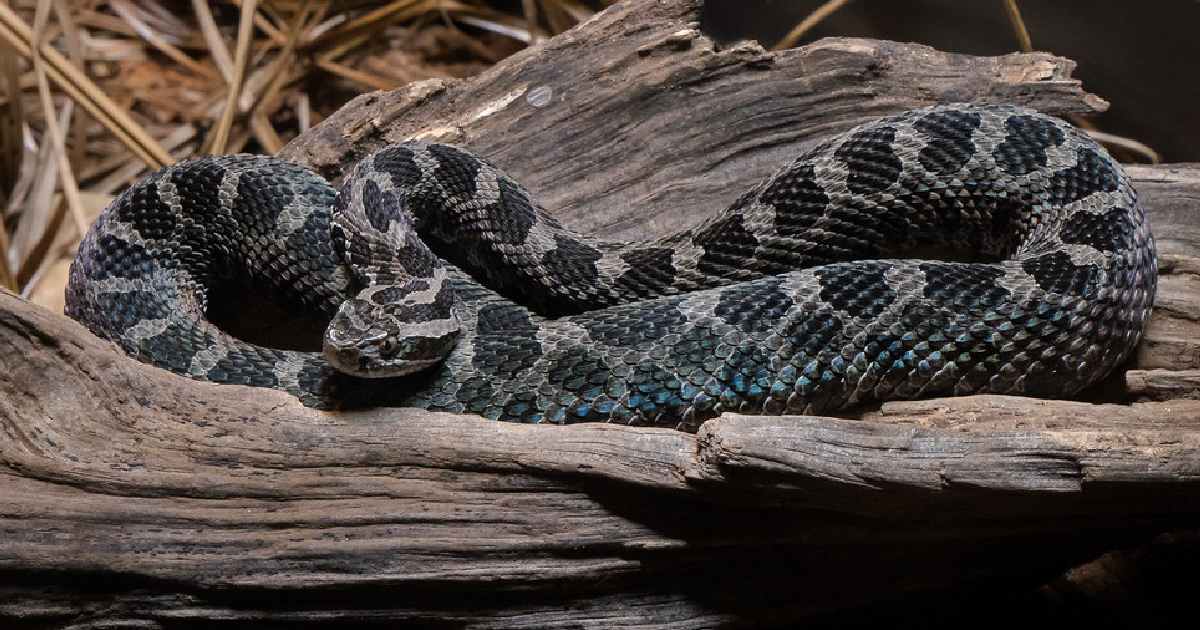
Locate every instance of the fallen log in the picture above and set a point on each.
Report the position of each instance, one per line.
(134, 497)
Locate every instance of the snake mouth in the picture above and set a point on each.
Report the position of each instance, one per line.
(351, 361)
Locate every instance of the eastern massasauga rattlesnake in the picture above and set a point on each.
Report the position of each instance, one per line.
(755, 310)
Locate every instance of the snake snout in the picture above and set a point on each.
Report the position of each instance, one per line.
(376, 352)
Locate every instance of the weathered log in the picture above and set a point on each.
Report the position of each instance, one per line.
(132, 496)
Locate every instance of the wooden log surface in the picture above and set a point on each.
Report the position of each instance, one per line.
(132, 497)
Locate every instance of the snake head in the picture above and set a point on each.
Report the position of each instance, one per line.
(391, 331)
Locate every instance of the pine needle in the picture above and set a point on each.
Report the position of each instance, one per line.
(212, 37)
(82, 90)
(74, 42)
(809, 22)
(58, 143)
(1018, 24)
(220, 135)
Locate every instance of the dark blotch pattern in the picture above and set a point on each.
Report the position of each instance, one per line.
(207, 239)
(476, 393)
(379, 206)
(414, 257)
(856, 288)
(507, 343)
(121, 311)
(174, 356)
(1109, 231)
(1090, 174)
(582, 376)
(198, 185)
(754, 306)
(813, 333)
(1024, 149)
(634, 328)
(950, 144)
(519, 214)
(798, 200)
(389, 295)
(398, 164)
(231, 369)
(456, 171)
(441, 304)
(1055, 272)
(504, 317)
(142, 209)
(650, 271)
(266, 191)
(122, 259)
(964, 286)
(728, 246)
(871, 162)
(574, 261)
(307, 278)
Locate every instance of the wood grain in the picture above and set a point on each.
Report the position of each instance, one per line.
(130, 497)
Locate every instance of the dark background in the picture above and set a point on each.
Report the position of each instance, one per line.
(1143, 57)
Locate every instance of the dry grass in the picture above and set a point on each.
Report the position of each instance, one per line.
(94, 94)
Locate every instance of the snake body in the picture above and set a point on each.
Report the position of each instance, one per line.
(441, 273)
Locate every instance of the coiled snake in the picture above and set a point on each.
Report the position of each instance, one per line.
(448, 288)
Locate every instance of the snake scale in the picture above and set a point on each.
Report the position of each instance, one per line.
(447, 287)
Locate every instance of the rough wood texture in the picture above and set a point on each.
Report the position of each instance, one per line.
(133, 498)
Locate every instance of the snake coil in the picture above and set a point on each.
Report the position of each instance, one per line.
(448, 288)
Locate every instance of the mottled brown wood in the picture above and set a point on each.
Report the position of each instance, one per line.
(1172, 192)
(1163, 384)
(1172, 338)
(131, 496)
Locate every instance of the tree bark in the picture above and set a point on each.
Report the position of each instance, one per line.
(132, 497)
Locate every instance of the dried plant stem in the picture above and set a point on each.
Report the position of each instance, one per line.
(126, 171)
(6, 276)
(279, 71)
(265, 133)
(150, 36)
(220, 135)
(530, 9)
(82, 90)
(212, 37)
(816, 17)
(12, 134)
(368, 23)
(303, 112)
(266, 26)
(58, 144)
(1128, 144)
(357, 76)
(1018, 24)
(75, 50)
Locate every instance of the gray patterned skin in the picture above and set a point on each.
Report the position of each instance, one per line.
(807, 295)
